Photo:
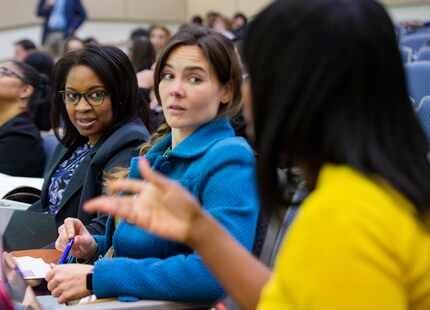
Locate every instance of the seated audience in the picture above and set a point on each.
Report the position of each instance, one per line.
(197, 81)
(96, 102)
(362, 238)
(23, 48)
(20, 87)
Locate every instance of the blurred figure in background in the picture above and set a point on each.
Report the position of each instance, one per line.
(159, 35)
(142, 54)
(239, 20)
(138, 33)
(197, 20)
(23, 48)
(238, 25)
(73, 44)
(61, 20)
(220, 24)
(20, 87)
(44, 64)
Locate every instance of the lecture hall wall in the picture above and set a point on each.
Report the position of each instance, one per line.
(19, 13)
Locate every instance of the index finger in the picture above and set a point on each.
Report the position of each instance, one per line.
(69, 227)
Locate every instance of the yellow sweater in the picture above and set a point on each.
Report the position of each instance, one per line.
(355, 244)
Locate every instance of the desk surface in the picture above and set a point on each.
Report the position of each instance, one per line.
(48, 255)
(50, 303)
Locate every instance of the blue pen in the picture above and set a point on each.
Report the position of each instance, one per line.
(66, 251)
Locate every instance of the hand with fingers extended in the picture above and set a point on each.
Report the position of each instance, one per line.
(84, 246)
(68, 282)
(161, 206)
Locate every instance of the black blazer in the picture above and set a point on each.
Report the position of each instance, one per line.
(114, 151)
(21, 148)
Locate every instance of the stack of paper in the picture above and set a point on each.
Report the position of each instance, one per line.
(32, 268)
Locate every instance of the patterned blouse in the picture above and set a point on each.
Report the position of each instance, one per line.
(62, 176)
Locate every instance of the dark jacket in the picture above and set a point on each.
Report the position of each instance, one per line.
(75, 16)
(21, 148)
(87, 182)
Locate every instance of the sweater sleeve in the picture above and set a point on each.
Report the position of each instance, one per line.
(228, 193)
(333, 258)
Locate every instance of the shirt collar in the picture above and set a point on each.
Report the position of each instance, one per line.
(197, 143)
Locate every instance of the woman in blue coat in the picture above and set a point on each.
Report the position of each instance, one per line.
(198, 82)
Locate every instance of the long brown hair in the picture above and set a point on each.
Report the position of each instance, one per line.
(220, 53)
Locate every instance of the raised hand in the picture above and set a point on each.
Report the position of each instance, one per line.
(84, 246)
(159, 205)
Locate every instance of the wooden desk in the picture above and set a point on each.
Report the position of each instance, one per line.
(48, 255)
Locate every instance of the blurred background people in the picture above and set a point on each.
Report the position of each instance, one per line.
(23, 48)
(61, 19)
(159, 35)
(44, 64)
(21, 147)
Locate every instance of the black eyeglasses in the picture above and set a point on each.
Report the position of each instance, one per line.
(93, 97)
(9, 73)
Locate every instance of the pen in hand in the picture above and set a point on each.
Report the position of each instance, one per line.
(66, 251)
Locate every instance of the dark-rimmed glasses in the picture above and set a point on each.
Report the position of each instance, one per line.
(9, 73)
(93, 97)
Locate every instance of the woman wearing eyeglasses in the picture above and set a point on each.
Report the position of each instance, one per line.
(20, 87)
(95, 104)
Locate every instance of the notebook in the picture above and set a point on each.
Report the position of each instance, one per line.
(19, 292)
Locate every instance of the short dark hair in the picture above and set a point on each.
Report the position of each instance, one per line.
(241, 15)
(333, 91)
(197, 19)
(42, 62)
(138, 33)
(219, 52)
(116, 72)
(26, 44)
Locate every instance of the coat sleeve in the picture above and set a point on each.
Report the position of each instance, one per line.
(42, 9)
(79, 16)
(228, 192)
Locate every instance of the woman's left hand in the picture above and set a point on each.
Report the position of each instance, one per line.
(68, 282)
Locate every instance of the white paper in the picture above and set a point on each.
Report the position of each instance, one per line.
(8, 183)
(32, 268)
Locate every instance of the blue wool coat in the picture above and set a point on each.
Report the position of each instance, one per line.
(219, 170)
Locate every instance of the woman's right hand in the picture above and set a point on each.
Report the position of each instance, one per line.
(84, 246)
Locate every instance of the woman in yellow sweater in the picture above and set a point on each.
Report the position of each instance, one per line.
(329, 95)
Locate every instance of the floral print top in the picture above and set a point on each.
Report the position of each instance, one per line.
(62, 176)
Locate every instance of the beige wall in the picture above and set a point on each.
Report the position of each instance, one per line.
(15, 13)
(226, 7)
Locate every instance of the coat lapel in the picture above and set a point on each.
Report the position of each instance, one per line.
(56, 161)
(76, 182)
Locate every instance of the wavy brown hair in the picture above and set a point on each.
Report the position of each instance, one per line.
(219, 52)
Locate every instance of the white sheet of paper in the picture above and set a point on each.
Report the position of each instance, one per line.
(8, 183)
(32, 268)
